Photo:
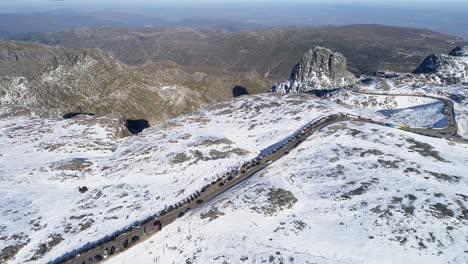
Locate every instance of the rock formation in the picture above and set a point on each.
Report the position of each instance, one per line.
(319, 69)
(447, 69)
(459, 51)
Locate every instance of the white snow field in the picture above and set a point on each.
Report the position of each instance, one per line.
(353, 193)
(44, 161)
(411, 110)
(412, 85)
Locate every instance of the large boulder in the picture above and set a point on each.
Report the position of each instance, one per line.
(319, 69)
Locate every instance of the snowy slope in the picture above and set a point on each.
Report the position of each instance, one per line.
(43, 162)
(411, 110)
(354, 193)
(447, 69)
(427, 115)
(410, 84)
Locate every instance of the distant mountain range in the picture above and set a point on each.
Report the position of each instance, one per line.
(270, 52)
(42, 16)
(55, 20)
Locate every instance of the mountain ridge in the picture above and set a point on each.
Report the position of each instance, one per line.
(268, 51)
(450, 69)
(56, 81)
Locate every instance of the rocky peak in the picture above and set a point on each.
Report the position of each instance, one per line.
(319, 69)
(448, 69)
(459, 51)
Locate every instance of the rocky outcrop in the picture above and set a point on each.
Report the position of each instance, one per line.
(446, 69)
(459, 51)
(319, 69)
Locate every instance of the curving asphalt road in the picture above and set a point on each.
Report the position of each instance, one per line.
(123, 239)
(450, 132)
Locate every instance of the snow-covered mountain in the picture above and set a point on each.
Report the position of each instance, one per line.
(319, 69)
(448, 69)
(459, 51)
(353, 192)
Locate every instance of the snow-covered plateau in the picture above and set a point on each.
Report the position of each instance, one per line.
(353, 193)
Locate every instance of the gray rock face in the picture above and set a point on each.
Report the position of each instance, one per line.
(459, 51)
(448, 69)
(319, 69)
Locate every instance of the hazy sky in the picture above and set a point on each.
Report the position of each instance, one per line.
(440, 15)
(63, 2)
(70, 3)
(35, 5)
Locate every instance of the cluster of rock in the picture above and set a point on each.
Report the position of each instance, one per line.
(319, 69)
(323, 69)
(448, 69)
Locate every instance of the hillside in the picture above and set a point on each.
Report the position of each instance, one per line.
(354, 193)
(267, 51)
(448, 69)
(365, 186)
(308, 194)
(56, 81)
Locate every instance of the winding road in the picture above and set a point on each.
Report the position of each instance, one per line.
(123, 239)
(450, 132)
